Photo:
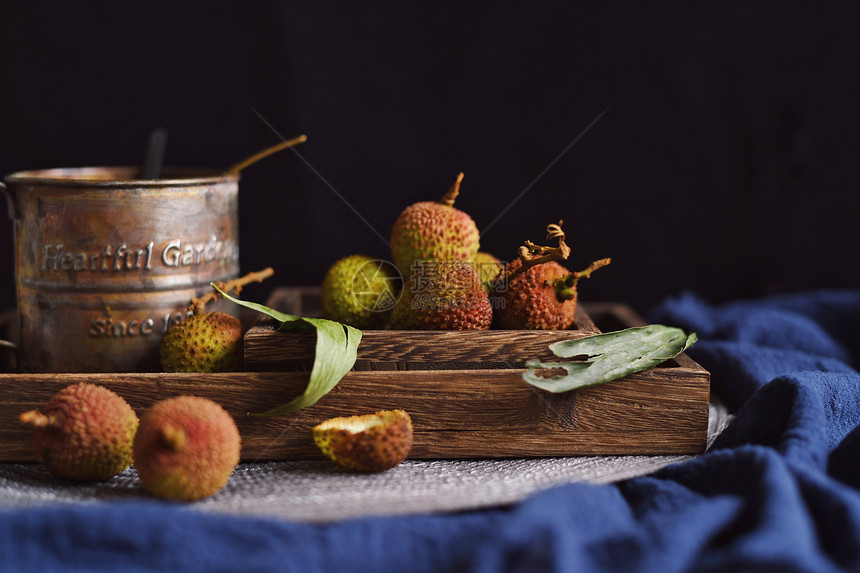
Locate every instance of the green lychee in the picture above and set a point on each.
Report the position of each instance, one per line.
(434, 230)
(373, 442)
(443, 295)
(186, 448)
(488, 267)
(203, 342)
(84, 433)
(360, 290)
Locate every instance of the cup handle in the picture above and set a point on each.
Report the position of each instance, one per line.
(5, 345)
(10, 201)
(11, 347)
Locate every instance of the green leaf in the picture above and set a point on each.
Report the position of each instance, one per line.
(606, 357)
(334, 356)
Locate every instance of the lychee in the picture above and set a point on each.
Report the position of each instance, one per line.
(443, 295)
(434, 230)
(203, 342)
(488, 266)
(186, 448)
(372, 442)
(537, 299)
(535, 291)
(360, 291)
(84, 433)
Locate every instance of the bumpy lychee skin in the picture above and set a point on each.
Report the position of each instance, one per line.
(206, 342)
(433, 230)
(84, 433)
(369, 443)
(360, 290)
(186, 448)
(443, 295)
(533, 300)
(488, 266)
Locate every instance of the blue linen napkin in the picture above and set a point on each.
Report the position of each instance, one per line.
(777, 492)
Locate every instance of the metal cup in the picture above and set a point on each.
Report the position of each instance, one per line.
(106, 262)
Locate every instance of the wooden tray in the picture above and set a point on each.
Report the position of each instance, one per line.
(464, 391)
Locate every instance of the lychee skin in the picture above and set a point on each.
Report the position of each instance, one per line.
(369, 443)
(84, 433)
(443, 295)
(430, 230)
(207, 342)
(358, 290)
(488, 266)
(186, 448)
(530, 300)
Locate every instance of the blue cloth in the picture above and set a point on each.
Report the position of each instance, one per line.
(777, 492)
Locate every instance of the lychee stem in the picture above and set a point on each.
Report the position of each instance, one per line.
(198, 304)
(565, 289)
(449, 197)
(265, 153)
(532, 255)
(37, 419)
(586, 272)
(172, 438)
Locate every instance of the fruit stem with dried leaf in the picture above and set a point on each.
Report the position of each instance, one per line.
(198, 304)
(532, 254)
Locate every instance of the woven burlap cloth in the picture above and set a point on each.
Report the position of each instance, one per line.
(320, 491)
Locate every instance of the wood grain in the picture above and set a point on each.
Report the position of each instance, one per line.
(484, 413)
(464, 391)
(271, 351)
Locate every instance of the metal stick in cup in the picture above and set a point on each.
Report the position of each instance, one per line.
(154, 154)
(265, 153)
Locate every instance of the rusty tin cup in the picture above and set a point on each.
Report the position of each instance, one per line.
(105, 263)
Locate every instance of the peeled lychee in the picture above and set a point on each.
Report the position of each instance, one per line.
(434, 230)
(203, 342)
(84, 433)
(371, 443)
(186, 448)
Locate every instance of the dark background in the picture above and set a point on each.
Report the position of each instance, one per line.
(727, 160)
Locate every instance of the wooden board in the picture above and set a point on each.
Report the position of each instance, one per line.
(463, 404)
(383, 350)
